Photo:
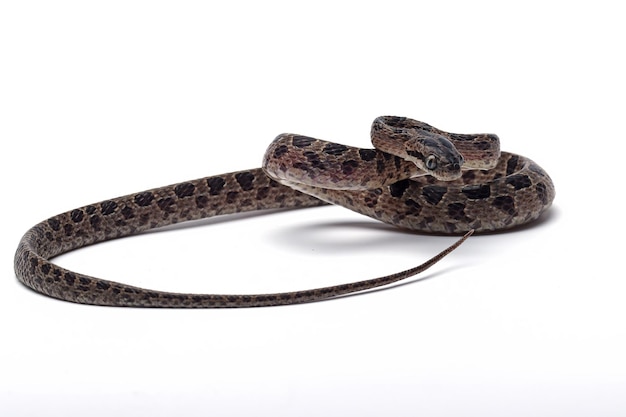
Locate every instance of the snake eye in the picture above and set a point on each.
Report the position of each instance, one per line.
(431, 162)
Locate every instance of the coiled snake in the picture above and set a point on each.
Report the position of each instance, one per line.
(418, 177)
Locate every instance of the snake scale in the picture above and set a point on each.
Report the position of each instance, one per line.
(417, 177)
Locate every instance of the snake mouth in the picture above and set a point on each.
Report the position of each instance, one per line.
(448, 172)
(444, 167)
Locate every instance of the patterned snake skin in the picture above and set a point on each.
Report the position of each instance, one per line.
(418, 178)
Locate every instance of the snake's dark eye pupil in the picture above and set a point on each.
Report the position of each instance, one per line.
(431, 162)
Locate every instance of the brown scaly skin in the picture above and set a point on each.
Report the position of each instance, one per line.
(388, 188)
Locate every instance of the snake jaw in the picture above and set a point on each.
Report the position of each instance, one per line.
(450, 171)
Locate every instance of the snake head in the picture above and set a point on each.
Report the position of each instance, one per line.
(436, 156)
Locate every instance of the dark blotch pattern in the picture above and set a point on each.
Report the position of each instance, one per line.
(371, 198)
(434, 193)
(185, 189)
(456, 211)
(397, 189)
(280, 151)
(103, 285)
(415, 154)
(262, 193)
(314, 159)
(245, 180)
(511, 164)
(128, 212)
(519, 181)
(144, 199)
(301, 165)
(166, 203)
(380, 166)
(505, 203)
(108, 207)
(367, 154)
(54, 224)
(477, 192)
(70, 278)
(468, 176)
(414, 207)
(302, 141)
(202, 201)
(216, 184)
(77, 215)
(334, 149)
(95, 221)
(348, 167)
(231, 197)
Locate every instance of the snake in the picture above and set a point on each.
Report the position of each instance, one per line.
(416, 177)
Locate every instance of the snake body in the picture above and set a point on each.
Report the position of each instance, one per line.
(418, 178)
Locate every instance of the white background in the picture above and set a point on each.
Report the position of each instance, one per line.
(100, 99)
